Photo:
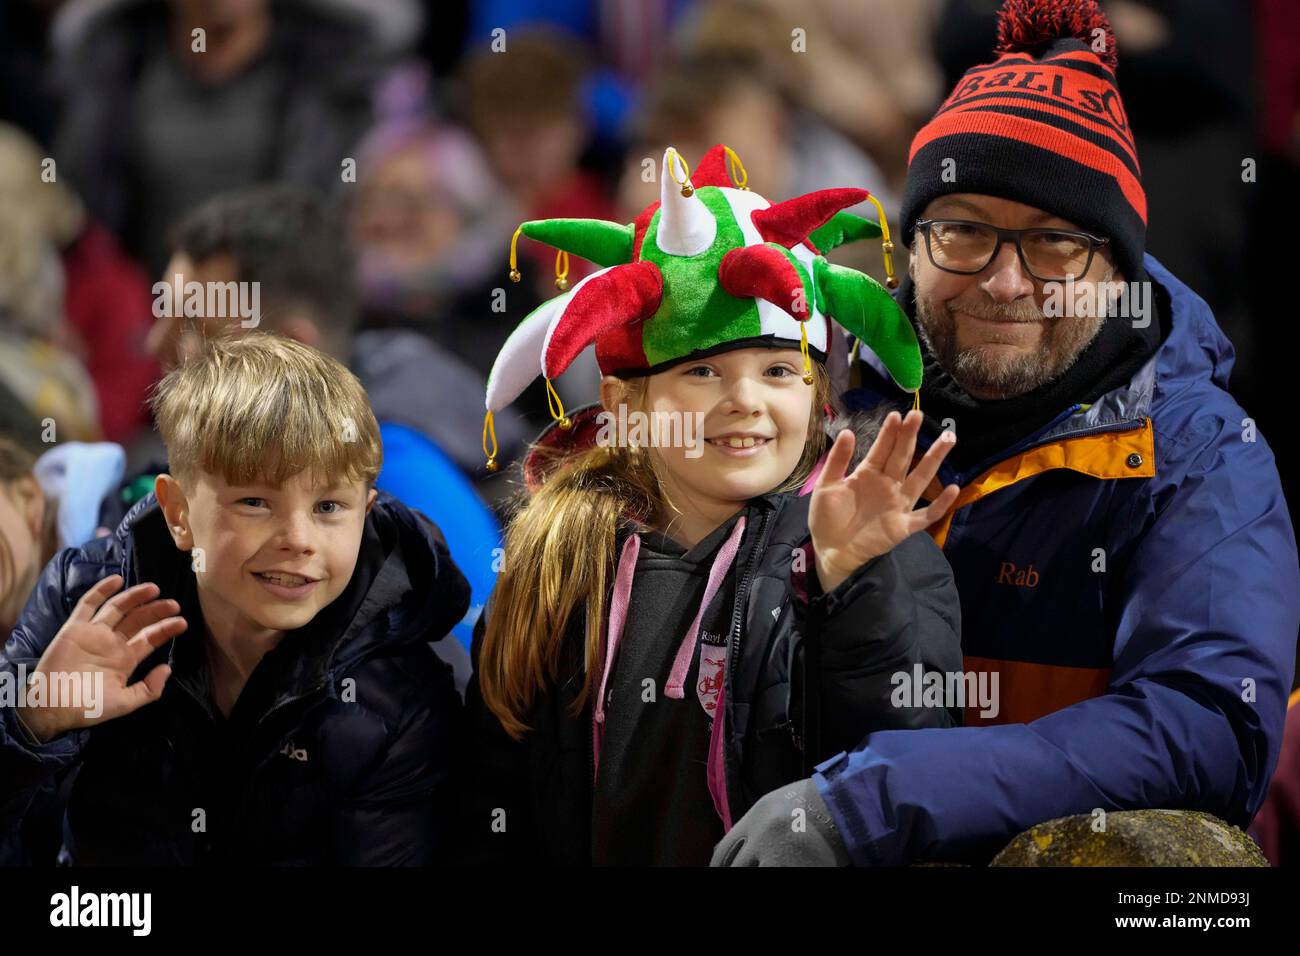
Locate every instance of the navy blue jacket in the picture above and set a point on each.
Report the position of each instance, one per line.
(1158, 678)
(339, 749)
(808, 674)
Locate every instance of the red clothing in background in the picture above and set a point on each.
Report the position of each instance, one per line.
(1278, 30)
(109, 303)
(1276, 828)
(580, 196)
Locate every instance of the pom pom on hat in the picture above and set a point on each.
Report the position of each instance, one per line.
(1030, 26)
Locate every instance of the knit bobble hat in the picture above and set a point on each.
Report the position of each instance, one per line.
(1044, 125)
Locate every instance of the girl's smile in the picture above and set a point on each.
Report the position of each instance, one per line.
(740, 445)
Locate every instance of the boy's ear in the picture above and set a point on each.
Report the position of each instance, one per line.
(370, 499)
(176, 510)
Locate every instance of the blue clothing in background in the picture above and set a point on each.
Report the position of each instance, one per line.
(418, 474)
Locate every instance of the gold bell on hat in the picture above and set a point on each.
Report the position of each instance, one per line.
(886, 245)
(515, 274)
(685, 182)
(737, 169)
(562, 270)
(803, 348)
(490, 431)
(556, 406)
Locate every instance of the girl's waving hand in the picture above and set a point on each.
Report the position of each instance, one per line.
(864, 515)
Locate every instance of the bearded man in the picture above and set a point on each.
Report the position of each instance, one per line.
(1124, 556)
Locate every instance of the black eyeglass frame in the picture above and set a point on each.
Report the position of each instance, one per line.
(1012, 236)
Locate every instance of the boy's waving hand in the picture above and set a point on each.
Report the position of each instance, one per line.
(108, 635)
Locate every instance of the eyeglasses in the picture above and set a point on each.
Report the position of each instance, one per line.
(1049, 255)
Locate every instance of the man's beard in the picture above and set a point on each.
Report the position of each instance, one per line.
(984, 370)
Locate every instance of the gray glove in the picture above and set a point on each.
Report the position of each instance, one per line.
(775, 833)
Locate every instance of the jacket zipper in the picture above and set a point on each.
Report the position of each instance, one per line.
(733, 645)
(733, 653)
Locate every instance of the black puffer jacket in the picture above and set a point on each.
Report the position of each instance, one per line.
(804, 681)
(339, 750)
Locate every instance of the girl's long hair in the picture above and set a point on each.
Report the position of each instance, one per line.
(559, 554)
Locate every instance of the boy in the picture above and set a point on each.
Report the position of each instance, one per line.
(262, 690)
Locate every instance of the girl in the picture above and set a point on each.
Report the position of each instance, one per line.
(676, 629)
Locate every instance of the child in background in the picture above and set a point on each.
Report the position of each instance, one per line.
(665, 644)
(257, 631)
(48, 504)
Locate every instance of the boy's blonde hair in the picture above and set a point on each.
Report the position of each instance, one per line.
(261, 408)
(560, 559)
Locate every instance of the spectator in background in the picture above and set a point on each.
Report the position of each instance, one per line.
(526, 107)
(746, 109)
(429, 408)
(861, 69)
(47, 395)
(628, 42)
(26, 88)
(158, 118)
(629, 37)
(27, 532)
(46, 504)
(106, 295)
(431, 227)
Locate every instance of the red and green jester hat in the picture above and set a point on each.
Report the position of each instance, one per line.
(711, 265)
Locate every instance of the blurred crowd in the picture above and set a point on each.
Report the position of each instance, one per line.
(366, 162)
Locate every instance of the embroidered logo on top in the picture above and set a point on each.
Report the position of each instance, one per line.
(713, 665)
(293, 753)
(1026, 577)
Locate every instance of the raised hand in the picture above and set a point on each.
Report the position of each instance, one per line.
(856, 518)
(108, 635)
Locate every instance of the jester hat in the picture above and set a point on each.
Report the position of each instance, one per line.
(711, 266)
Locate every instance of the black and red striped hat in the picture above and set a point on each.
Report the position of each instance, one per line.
(1042, 124)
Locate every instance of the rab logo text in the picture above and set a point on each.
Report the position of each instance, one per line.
(1008, 573)
(293, 753)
